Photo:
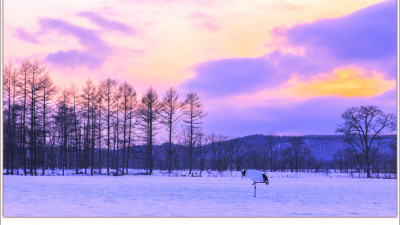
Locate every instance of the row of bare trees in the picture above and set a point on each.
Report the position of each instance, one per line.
(276, 153)
(219, 153)
(383, 163)
(107, 125)
(49, 127)
(368, 146)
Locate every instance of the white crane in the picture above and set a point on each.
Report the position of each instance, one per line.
(256, 177)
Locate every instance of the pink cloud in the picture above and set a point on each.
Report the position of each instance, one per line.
(23, 35)
(95, 50)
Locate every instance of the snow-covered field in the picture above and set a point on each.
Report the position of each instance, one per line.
(288, 195)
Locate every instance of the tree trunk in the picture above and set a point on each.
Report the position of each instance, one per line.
(108, 135)
(100, 138)
(129, 141)
(124, 141)
(93, 138)
(116, 150)
(44, 131)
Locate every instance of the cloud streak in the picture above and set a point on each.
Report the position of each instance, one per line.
(23, 35)
(231, 76)
(87, 37)
(75, 58)
(95, 49)
(107, 23)
(346, 82)
(343, 82)
(367, 34)
(249, 75)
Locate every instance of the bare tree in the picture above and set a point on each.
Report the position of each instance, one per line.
(238, 153)
(99, 99)
(362, 128)
(193, 113)
(339, 159)
(297, 147)
(169, 119)
(93, 100)
(212, 140)
(9, 91)
(131, 113)
(108, 89)
(88, 93)
(253, 153)
(202, 150)
(271, 146)
(127, 93)
(49, 90)
(148, 115)
(62, 119)
(34, 83)
(75, 99)
(24, 71)
(116, 131)
(221, 148)
(393, 142)
(184, 142)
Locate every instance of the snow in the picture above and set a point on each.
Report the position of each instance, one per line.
(213, 195)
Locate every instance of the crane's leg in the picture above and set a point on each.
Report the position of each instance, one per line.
(255, 189)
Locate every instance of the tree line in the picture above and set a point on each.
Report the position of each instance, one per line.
(281, 154)
(107, 125)
(95, 127)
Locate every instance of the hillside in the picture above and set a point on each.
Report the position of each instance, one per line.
(321, 146)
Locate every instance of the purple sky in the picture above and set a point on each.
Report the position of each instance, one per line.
(365, 39)
(259, 67)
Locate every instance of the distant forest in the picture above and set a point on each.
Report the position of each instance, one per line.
(106, 125)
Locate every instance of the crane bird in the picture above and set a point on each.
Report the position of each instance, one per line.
(256, 177)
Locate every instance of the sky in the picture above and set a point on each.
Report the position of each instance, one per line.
(260, 67)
